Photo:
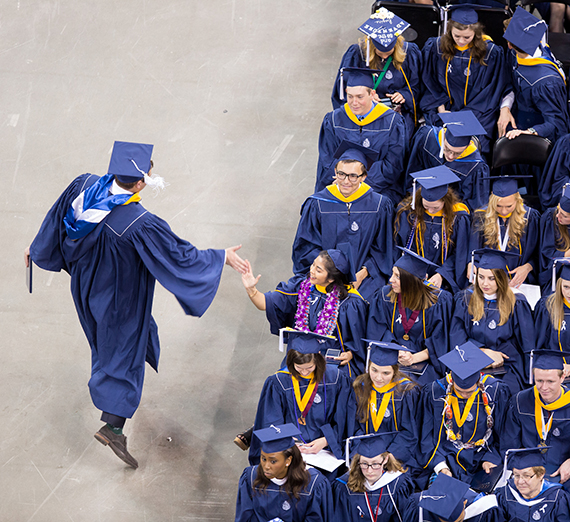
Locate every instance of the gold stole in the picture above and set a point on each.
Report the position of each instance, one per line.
(303, 401)
(562, 401)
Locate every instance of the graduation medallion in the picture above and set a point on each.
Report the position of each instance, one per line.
(406, 337)
(301, 420)
(542, 445)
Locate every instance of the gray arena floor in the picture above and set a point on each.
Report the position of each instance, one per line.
(232, 94)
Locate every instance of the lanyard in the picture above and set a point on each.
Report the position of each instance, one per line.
(503, 243)
(372, 517)
(381, 75)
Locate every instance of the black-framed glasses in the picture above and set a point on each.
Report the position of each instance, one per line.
(526, 478)
(374, 465)
(340, 175)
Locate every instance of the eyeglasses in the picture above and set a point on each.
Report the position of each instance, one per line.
(374, 465)
(526, 478)
(340, 175)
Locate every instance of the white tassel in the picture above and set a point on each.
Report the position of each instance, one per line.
(414, 195)
(530, 372)
(554, 276)
(472, 274)
(157, 183)
(342, 84)
(368, 51)
(442, 140)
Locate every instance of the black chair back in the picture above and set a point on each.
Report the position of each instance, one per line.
(526, 149)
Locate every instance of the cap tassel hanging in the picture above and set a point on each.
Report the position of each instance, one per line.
(414, 195)
(472, 274)
(554, 276)
(342, 84)
(530, 368)
(442, 140)
(368, 51)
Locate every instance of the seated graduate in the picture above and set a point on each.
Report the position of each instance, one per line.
(554, 238)
(433, 223)
(387, 402)
(349, 211)
(463, 70)
(371, 124)
(454, 147)
(415, 314)
(384, 49)
(281, 487)
(555, 174)
(507, 224)
(535, 100)
(463, 416)
(541, 415)
(314, 396)
(552, 313)
(323, 302)
(494, 318)
(527, 495)
(377, 485)
(449, 500)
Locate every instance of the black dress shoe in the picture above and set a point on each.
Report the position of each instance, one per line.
(118, 444)
(243, 440)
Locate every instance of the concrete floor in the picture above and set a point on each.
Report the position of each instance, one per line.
(232, 94)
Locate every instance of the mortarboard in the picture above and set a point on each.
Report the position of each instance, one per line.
(413, 263)
(460, 127)
(547, 359)
(308, 342)
(384, 354)
(505, 186)
(342, 258)
(444, 497)
(565, 198)
(434, 183)
(277, 438)
(560, 265)
(525, 31)
(348, 150)
(464, 16)
(492, 259)
(466, 362)
(383, 27)
(130, 161)
(375, 444)
(526, 457)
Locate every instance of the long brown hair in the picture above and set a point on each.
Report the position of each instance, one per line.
(294, 357)
(414, 293)
(488, 225)
(356, 478)
(555, 305)
(363, 388)
(339, 280)
(297, 475)
(505, 298)
(398, 56)
(449, 201)
(561, 235)
(477, 47)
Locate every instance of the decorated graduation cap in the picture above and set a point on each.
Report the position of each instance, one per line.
(466, 362)
(383, 27)
(460, 127)
(342, 258)
(445, 497)
(384, 354)
(413, 263)
(565, 198)
(525, 31)
(434, 183)
(560, 265)
(464, 15)
(492, 259)
(348, 150)
(526, 457)
(308, 342)
(130, 161)
(277, 438)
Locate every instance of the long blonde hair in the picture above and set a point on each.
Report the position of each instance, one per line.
(555, 305)
(398, 56)
(356, 479)
(505, 298)
(490, 227)
(561, 235)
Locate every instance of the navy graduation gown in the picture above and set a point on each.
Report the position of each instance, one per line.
(392, 82)
(385, 324)
(550, 505)
(528, 244)
(473, 185)
(387, 503)
(485, 83)
(520, 430)
(331, 415)
(254, 505)
(549, 250)
(556, 173)
(452, 268)
(548, 336)
(434, 445)
(113, 271)
(364, 220)
(281, 306)
(515, 338)
(382, 130)
(482, 509)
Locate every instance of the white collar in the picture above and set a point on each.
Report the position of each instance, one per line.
(519, 498)
(386, 478)
(490, 297)
(279, 482)
(480, 506)
(115, 189)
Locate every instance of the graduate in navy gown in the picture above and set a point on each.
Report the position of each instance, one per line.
(556, 173)
(371, 124)
(323, 302)
(554, 238)
(541, 415)
(436, 225)
(281, 487)
(463, 69)
(377, 485)
(449, 500)
(463, 416)
(454, 147)
(528, 495)
(348, 211)
(507, 224)
(115, 250)
(495, 319)
(387, 402)
(311, 394)
(536, 99)
(415, 314)
(385, 49)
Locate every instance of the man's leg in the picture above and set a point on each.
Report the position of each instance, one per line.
(112, 435)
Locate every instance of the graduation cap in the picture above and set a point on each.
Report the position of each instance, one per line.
(356, 77)
(277, 438)
(560, 265)
(308, 342)
(565, 198)
(383, 27)
(342, 258)
(526, 457)
(370, 445)
(464, 15)
(445, 497)
(466, 362)
(525, 31)
(130, 161)
(505, 186)
(460, 127)
(434, 183)
(348, 150)
(384, 354)
(413, 263)
(492, 259)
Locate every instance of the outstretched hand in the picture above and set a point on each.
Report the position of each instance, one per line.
(27, 256)
(235, 261)
(247, 278)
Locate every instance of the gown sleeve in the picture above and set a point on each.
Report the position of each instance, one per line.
(436, 340)
(556, 173)
(244, 503)
(351, 323)
(431, 428)
(458, 332)
(412, 67)
(511, 436)
(378, 327)
(543, 326)
(530, 252)
(551, 98)
(405, 444)
(281, 304)
(454, 270)
(320, 507)
(308, 240)
(434, 92)
(548, 250)
(524, 331)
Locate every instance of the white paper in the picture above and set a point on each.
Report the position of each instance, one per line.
(324, 459)
(531, 292)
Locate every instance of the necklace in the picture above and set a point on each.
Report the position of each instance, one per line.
(326, 320)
